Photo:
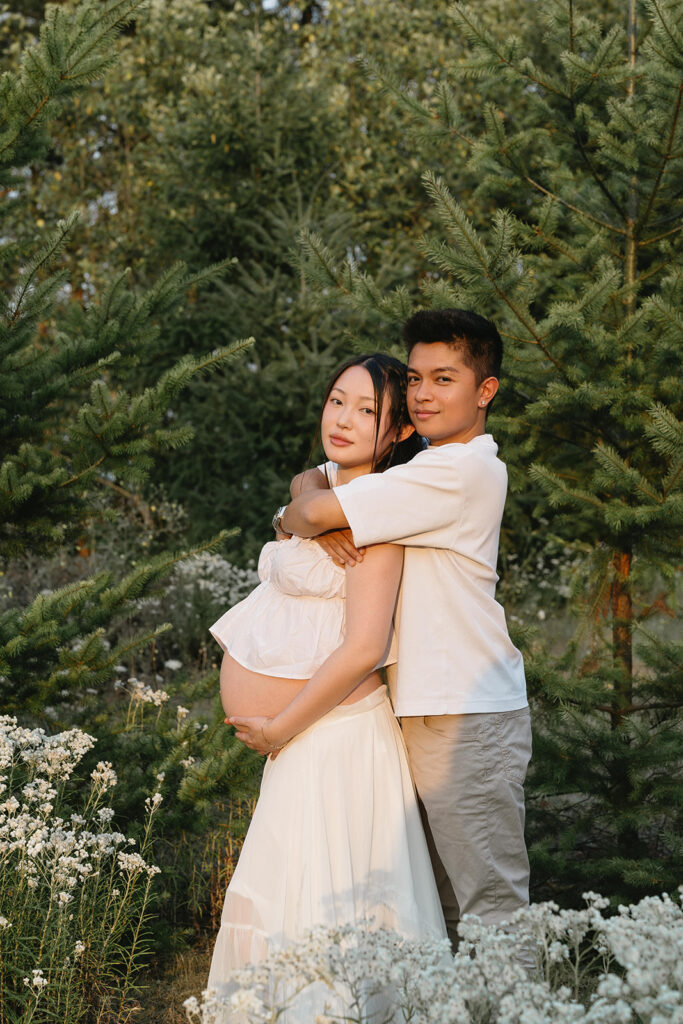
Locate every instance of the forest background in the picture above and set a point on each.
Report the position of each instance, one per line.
(322, 169)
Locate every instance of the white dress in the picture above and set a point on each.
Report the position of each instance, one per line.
(336, 836)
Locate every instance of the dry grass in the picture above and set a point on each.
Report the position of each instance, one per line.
(163, 996)
(162, 992)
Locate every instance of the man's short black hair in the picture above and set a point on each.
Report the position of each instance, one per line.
(478, 338)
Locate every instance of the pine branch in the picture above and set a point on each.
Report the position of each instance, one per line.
(666, 157)
(68, 55)
(313, 246)
(559, 492)
(52, 248)
(622, 471)
(477, 33)
(658, 10)
(665, 432)
(657, 238)
(454, 217)
(391, 86)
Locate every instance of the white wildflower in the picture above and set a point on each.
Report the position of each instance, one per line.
(173, 664)
(133, 863)
(141, 694)
(104, 776)
(38, 981)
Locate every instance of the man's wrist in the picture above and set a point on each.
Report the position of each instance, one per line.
(283, 520)
(277, 521)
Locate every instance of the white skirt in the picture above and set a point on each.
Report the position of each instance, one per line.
(335, 839)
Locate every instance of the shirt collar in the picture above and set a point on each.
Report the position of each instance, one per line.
(480, 441)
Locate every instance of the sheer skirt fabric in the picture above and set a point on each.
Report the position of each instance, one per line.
(335, 839)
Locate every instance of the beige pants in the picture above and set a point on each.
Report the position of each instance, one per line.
(469, 771)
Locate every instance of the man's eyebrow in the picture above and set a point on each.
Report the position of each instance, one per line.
(437, 369)
(362, 399)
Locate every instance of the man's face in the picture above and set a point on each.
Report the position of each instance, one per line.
(444, 400)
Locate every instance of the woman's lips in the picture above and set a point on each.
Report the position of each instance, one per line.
(340, 442)
(424, 414)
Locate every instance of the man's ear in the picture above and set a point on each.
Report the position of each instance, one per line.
(487, 390)
(405, 432)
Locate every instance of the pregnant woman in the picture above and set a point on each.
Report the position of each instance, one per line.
(336, 835)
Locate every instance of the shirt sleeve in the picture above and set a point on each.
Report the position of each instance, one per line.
(410, 504)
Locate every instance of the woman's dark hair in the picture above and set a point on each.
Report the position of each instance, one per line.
(389, 381)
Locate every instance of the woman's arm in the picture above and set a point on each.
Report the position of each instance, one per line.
(371, 589)
(310, 480)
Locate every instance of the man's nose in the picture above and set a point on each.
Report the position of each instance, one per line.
(424, 391)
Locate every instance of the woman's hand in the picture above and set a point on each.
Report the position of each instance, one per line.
(338, 544)
(252, 732)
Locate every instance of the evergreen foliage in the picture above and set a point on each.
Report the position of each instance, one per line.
(226, 129)
(79, 437)
(571, 242)
(59, 445)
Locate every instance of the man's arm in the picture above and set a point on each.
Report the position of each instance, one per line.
(338, 544)
(312, 513)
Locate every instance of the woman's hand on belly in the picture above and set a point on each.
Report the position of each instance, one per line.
(251, 732)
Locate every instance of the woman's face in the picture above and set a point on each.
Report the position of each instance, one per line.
(348, 425)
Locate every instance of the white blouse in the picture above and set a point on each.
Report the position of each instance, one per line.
(295, 617)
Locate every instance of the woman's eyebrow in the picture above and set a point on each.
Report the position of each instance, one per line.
(361, 399)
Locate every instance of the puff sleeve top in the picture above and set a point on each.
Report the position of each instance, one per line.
(294, 618)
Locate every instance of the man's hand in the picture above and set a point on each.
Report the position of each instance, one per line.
(250, 732)
(338, 544)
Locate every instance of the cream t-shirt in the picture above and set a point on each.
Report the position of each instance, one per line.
(445, 506)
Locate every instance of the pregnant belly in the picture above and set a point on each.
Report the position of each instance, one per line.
(244, 692)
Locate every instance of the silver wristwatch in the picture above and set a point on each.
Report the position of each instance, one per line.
(277, 520)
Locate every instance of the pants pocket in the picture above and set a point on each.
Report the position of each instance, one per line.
(513, 736)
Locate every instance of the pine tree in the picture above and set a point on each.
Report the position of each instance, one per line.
(222, 131)
(571, 242)
(67, 426)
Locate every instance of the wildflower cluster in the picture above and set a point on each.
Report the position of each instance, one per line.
(200, 590)
(540, 573)
(591, 969)
(73, 895)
